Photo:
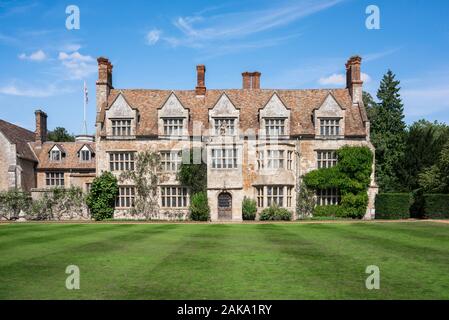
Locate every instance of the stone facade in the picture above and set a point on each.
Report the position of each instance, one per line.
(257, 142)
(17, 161)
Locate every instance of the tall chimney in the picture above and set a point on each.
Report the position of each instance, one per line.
(246, 76)
(251, 80)
(201, 82)
(104, 82)
(354, 78)
(41, 127)
(256, 80)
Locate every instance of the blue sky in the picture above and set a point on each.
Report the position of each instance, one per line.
(156, 44)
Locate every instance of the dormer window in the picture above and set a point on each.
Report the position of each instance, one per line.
(224, 127)
(173, 126)
(85, 154)
(121, 127)
(55, 154)
(329, 127)
(275, 127)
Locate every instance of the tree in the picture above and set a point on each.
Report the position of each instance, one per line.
(60, 135)
(370, 106)
(199, 207)
(146, 178)
(193, 175)
(435, 179)
(102, 195)
(423, 141)
(388, 133)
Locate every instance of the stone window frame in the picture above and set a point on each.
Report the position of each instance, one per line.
(174, 158)
(217, 130)
(282, 195)
(116, 162)
(275, 126)
(169, 122)
(126, 197)
(121, 127)
(54, 179)
(330, 124)
(224, 157)
(326, 158)
(263, 158)
(180, 196)
(328, 197)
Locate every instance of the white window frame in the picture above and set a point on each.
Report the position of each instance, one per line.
(121, 161)
(126, 197)
(55, 155)
(224, 158)
(326, 158)
(171, 160)
(230, 130)
(173, 126)
(275, 127)
(328, 197)
(330, 127)
(121, 127)
(174, 197)
(275, 159)
(54, 179)
(267, 195)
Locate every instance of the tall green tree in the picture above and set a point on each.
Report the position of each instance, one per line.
(435, 179)
(388, 131)
(60, 135)
(370, 106)
(424, 142)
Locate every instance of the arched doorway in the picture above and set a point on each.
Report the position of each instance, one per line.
(224, 206)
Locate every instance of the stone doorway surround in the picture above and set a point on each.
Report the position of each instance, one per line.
(224, 206)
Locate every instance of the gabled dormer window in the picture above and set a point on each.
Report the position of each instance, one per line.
(55, 154)
(85, 154)
(121, 127)
(224, 127)
(173, 126)
(275, 127)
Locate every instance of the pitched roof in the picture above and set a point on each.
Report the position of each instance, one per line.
(300, 102)
(71, 159)
(20, 137)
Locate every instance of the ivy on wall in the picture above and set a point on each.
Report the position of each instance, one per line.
(351, 176)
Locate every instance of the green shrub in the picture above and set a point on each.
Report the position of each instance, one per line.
(12, 202)
(436, 206)
(393, 206)
(249, 209)
(351, 176)
(199, 207)
(327, 211)
(274, 213)
(102, 195)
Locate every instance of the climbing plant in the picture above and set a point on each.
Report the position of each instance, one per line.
(351, 176)
(102, 195)
(145, 178)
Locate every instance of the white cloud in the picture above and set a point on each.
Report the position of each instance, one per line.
(32, 92)
(338, 79)
(153, 36)
(77, 66)
(205, 31)
(35, 56)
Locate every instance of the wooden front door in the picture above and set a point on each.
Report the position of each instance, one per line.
(224, 206)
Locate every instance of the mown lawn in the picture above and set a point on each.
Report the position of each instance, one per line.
(240, 261)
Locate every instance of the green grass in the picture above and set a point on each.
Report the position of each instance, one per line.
(239, 261)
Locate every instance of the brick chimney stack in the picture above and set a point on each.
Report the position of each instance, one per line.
(251, 80)
(41, 127)
(104, 82)
(354, 78)
(201, 80)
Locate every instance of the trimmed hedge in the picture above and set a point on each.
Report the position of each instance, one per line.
(436, 206)
(392, 206)
(274, 213)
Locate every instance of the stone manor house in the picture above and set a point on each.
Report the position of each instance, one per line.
(257, 142)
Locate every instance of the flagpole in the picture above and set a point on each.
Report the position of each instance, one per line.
(85, 120)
